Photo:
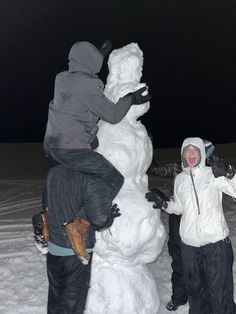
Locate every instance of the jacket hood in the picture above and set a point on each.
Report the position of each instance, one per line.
(197, 142)
(85, 57)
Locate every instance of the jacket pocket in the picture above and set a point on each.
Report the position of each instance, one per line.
(211, 222)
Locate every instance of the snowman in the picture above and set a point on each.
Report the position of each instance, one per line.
(121, 282)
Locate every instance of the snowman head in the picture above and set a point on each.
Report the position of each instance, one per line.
(125, 71)
(125, 65)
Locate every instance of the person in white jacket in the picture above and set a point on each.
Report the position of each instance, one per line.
(206, 248)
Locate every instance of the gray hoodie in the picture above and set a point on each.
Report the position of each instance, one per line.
(79, 102)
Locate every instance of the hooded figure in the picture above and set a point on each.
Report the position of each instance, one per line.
(78, 104)
(198, 197)
(206, 248)
(179, 294)
(79, 101)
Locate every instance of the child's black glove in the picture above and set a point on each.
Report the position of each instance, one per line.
(222, 168)
(138, 98)
(114, 214)
(158, 198)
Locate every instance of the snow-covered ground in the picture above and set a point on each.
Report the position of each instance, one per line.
(23, 287)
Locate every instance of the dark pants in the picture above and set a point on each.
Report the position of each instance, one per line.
(209, 278)
(179, 293)
(68, 284)
(89, 162)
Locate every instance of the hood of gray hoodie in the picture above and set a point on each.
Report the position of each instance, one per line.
(85, 57)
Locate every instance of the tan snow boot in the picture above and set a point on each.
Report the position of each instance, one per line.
(77, 230)
(44, 216)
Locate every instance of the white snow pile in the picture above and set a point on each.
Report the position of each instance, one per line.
(121, 281)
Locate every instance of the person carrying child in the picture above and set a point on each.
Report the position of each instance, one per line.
(70, 137)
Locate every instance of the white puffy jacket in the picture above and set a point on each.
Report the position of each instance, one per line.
(199, 200)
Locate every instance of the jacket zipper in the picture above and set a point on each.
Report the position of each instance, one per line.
(195, 192)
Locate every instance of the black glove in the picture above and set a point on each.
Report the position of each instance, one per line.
(113, 214)
(223, 168)
(138, 98)
(105, 48)
(158, 197)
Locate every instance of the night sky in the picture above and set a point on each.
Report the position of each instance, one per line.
(189, 61)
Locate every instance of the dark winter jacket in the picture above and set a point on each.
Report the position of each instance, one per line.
(71, 194)
(79, 102)
(168, 170)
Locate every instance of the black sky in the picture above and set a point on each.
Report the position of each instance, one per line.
(189, 61)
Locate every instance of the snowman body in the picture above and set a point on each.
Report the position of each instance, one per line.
(121, 282)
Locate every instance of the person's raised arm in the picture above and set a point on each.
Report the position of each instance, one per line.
(113, 113)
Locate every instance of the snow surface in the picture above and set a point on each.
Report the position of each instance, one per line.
(23, 283)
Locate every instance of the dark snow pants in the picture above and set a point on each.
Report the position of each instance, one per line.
(209, 278)
(89, 162)
(68, 284)
(179, 293)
